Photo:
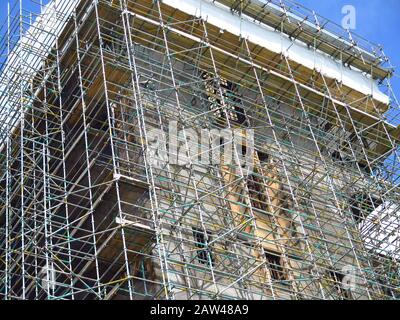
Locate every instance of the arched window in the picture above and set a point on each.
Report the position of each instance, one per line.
(275, 265)
(203, 250)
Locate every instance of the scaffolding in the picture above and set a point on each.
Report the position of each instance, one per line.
(106, 191)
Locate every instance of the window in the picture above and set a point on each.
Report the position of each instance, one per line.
(256, 192)
(274, 262)
(336, 156)
(364, 167)
(229, 92)
(350, 149)
(262, 156)
(200, 242)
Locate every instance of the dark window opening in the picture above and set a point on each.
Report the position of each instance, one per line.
(257, 195)
(353, 139)
(351, 150)
(222, 144)
(234, 111)
(147, 84)
(274, 262)
(204, 252)
(336, 156)
(362, 205)
(262, 156)
(327, 126)
(364, 167)
(244, 150)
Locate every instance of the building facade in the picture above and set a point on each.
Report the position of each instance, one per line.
(195, 150)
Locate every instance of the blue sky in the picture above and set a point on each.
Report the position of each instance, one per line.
(376, 20)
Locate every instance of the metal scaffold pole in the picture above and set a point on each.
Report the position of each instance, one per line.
(195, 150)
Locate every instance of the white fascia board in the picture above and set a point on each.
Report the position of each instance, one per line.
(264, 36)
